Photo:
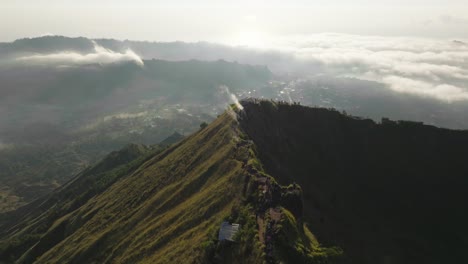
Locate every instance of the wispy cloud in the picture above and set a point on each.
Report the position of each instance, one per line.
(231, 98)
(100, 55)
(126, 115)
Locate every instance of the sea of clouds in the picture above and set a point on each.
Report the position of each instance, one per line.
(432, 68)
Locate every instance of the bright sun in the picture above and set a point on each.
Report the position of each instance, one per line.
(255, 39)
(250, 33)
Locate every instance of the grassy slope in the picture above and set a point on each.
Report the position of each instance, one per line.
(384, 193)
(161, 213)
(136, 206)
(23, 227)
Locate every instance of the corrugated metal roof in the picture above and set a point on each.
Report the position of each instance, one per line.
(227, 231)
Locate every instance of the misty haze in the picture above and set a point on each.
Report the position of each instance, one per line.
(248, 132)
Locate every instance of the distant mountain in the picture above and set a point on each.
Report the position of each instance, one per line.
(460, 43)
(46, 44)
(172, 139)
(306, 185)
(57, 121)
(77, 95)
(290, 79)
(173, 51)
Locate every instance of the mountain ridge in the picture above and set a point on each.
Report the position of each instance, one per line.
(136, 195)
(303, 183)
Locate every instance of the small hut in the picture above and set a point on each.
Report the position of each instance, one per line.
(227, 231)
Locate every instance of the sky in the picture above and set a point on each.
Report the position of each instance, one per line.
(242, 22)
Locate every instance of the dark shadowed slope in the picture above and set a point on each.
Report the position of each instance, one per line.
(386, 193)
(306, 185)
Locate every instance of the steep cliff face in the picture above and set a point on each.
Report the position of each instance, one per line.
(306, 185)
(385, 193)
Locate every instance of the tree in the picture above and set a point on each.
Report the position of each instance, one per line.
(203, 125)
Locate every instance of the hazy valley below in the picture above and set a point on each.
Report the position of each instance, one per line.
(324, 148)
(66, 102)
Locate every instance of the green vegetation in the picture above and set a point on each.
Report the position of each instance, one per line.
(30, 171)
(247, 246)
(153, 206)
(325, 188)
(79, 114)
(203, 125)
(157, 209)
(296, 244)
(91, 182)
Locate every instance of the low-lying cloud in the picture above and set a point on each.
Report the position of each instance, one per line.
(425, 67)
(231, 98)
(126, 115)
(4, 146)
(100, 55)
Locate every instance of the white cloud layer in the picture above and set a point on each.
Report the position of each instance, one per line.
(426, 67)
(100, 55)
